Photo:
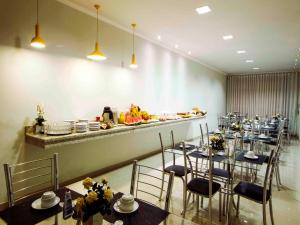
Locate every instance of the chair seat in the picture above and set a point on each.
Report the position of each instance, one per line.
(201, 186)
(220, 172)
(251, 191)
(178, 170)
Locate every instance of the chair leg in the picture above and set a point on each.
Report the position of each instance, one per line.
(184, 203)
(278, 171)
(264, 214)
(220, 205)
(271, 211)
(238, 206)
(162, 186)
(201, 202)
(277, 179)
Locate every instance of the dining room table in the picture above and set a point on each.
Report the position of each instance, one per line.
(146, 214)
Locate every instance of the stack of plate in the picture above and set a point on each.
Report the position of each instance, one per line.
(81, 127)
(94, 126)
(72, 123)
(83, 121)
(58, 128)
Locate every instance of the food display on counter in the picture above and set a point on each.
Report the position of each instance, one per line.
(110, 118)
(198, 111)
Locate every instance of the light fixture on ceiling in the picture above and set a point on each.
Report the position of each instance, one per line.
(97, 54)
(240, 51)
(228, 37)
(189, 52)
(203, 10)
(176, 46)
(255, 68)
(158, 37)
(296, 59)
(37, 41)
(133, 60)
(249, 61)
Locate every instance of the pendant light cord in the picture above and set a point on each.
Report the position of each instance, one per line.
(133, 39)
(97, 35)
(37, 11)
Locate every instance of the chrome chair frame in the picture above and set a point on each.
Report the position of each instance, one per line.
(9, 176)
(195, 174)
(135, 181)
(267, 186)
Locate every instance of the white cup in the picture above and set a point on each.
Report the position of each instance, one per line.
(126, 202)
(47, 199)
(250, 154)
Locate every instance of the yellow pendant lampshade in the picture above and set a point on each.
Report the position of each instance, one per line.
(97, 54)
(133, 59)
(37, 41)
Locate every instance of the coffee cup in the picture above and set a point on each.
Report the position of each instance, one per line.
(126, 202)
(250, 154)
(48, 199)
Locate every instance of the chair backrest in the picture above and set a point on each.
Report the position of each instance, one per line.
(207, 133)
(150, 181)
(24, 179)
(201, 142)
(163, 148)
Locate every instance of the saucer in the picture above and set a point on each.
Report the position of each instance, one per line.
(251, 157)
(206, 154)
(37, 204)
(187, 146)
(221, 153)
(117, 209)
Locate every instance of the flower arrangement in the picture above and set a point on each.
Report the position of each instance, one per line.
(235, 127)
(217, 142)
(40, 115)
(256, 117)
(97, 199)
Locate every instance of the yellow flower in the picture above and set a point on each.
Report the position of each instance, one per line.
(91, 197)
(108, 194)
(87, 183)
(79, 203)
(104, 180)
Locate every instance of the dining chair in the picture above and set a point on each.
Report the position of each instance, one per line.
(144, 179)
(27, 178)
(199, 184)
(179, 170)
(257, 193)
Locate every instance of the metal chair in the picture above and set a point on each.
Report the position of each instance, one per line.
(258, 193)
(23, 179)
(200, 185)
(179, 170)
(142, 181)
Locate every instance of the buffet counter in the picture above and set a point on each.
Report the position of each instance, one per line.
(46, 141)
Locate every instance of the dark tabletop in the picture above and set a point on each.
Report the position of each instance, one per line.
(261, 158)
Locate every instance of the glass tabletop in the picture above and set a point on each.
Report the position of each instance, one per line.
(172, 219)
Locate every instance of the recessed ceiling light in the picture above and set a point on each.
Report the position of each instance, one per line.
(176, 46)
(296, 60)
(189, 52)
(227, 37)
(203, 10)
(255, 68)
(159, 37)
(249, 61)
(240, 51)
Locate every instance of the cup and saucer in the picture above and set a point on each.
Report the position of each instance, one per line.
(126, 204)
(187, 146)
(250, 155)
(46, 201)
(206, 153)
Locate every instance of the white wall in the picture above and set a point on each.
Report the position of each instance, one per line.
(72, 87)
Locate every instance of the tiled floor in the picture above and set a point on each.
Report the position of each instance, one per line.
(286, 202)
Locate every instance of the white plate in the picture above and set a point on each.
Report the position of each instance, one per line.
(37, 203)
(117, 209)
(187, 146)
(206, 154)
(263, 137)
(251, 157)
(221, 153)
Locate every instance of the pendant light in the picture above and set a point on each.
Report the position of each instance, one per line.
(97, 55)
(133, 59)
(37, 41)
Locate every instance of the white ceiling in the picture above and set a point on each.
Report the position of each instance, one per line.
(269, 30)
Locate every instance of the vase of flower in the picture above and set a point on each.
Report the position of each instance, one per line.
(96, 219)
(92, 206)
